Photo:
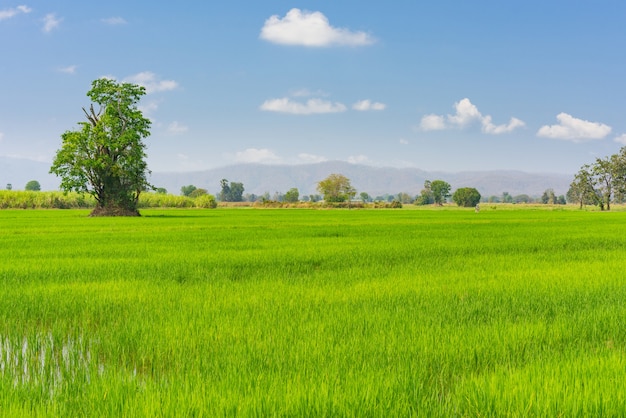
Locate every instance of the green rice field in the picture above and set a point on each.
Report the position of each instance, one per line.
(329, 313)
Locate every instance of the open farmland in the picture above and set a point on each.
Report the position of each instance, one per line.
(312, 312)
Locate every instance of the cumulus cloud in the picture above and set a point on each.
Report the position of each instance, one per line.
(620, 139)
(404, 141)
(311, 29)
(433, 123)
(490, 128)
(311, 158)
(365, 105)
(467, 114)
(573, 129)
(310, 107)
(1, 136)
(9, 13)
(114, 21)
(151, 82)
(255, 155)
(50, 22)
(176, 128)
(71, 69)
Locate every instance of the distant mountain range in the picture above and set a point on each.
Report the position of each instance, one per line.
(261, 178)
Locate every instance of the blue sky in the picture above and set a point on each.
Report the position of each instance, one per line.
(450, 86)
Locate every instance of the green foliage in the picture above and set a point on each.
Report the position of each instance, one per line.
(601, 182)
(106, 157)
(441, 190)
(198, 192)
(336, 188)
(467, 197)
(160, 190)
(205, 201)
(292, 195)
(33, 186)
(231, 192)
(294, 313)
(187, 190)
(426, 196)
(365, 197)
(10, 199)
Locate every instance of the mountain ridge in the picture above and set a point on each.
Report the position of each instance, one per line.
(261, 178)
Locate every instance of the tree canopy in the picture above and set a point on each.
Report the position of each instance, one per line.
(106, 156)
(231, 191)
(601, 182)
(441, 190)
(336, 188)
(33, 186)
(466, 196)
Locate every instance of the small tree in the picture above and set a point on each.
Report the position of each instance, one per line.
(231, 192)
(292, 195)
(9, 186)
(106, 156)
(187, 190)
(426, 196)
(467, 197)
(33, 186)
(336, 188)
(365, 197)
(236, 192)
(160, 190)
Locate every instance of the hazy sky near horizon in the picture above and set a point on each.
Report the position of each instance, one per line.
(450, 85)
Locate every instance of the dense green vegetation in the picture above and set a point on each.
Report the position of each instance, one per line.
(313, 312)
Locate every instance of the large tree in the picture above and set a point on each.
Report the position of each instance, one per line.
(336, 188)
(441, 190)
(106, 156)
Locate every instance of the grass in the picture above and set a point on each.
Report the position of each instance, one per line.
(318, 313)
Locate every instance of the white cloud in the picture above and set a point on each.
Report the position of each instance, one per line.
(50, 22)
(69, 69)
(466, 114)
(358, 159)
(311, 158)
(9, 13)
(255, 155)
(310, 29)
(114, 21)
(573, 129)
(151, 82)
(1, 136)
(620, 139)
(433, 123)
(312, 106)
(148, 108)
(365, 105)
(176, 128)
(404, 141)
(490, 128)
